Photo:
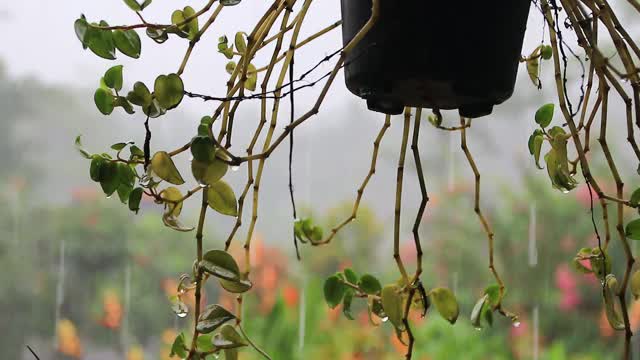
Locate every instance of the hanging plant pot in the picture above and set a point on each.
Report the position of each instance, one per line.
(435, 54)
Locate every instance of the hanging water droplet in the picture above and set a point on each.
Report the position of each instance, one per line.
(216, 356)
(109, 196)
(384, 319)
(202, 185)
(182, 314)
(565, 191)
(516, 324)
(478, 328)
(235, 168)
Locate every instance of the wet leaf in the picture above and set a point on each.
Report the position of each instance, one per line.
(392, 302)
(229, 338)
(220, 264)
(101, 42)
(446, 303)
(369, 284)
(157, 35)
(544, 115)
(208, 173)
(476, 313)
(175, 224)
(212, 318)
(334, 290)
(221, 198)
(237, 287)
(128, 42)
(169, 90)
(163, 166)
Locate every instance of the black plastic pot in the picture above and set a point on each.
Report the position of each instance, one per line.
(435, 54)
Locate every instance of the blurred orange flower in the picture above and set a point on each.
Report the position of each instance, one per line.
(68, 340)
(112, 310)
(135, 353)
(290, 295)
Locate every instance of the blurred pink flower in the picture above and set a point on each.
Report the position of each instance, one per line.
(567, 284)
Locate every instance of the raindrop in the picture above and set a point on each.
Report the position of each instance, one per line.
(202, 185)
(533, 249)
(216, 356)
(109, 197)
(384, 319)
(182, 314)
(235, 168)
(565, 191)
(478, 328)
(516, 324)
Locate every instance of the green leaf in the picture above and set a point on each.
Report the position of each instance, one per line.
(136, 152)
(124, 103)
(632, 230)
(113, 77)
(171, 196)
(101, 42)
(252, 78)
(237, 287)
(134, 199)
(208, 173)
(104, 101)
(174, 223)
(133, 5)
(533, 69)
(477, 312)
(157, 35)
(118, 146)
(537, 147)
(599, 266)
(124, 190)
(544, 115)
(154, 109)
(81, 27)
(81, 150)
(128, 42)
(241, 43)
(109, 178)
(202, 149)
(230, 67)
(220, 264)
(229, 338)
(94, 169)
(493, 294)
(613, 314)
(163, 166)
(206, 120)
(190, 29)
(346, 304)
(392, 302)
(204, 343)
(140, 95)
(169, 90)
(635, 198)
(334, 290)
(446, 303)
(351, 276)
(221, 198)
(179, 347)
(212, 318)
(369, 284)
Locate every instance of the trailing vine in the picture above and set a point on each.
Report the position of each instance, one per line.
(213, 150)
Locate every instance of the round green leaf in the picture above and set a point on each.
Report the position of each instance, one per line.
(392, 302)
(445, 303)
(369, 284)
(169, 90)
(163, 166)
(128, 42)
(222, 199)
(171, 195)
(546, 52)
(113, 77)
(635, 198)
(236, 287)
(208, 173)
(101, 42)
(544, 115)
(334, 290)
(104, 101)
